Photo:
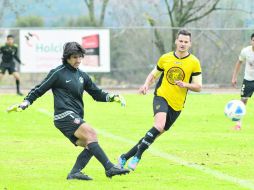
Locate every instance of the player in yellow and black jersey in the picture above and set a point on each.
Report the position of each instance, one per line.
(175, 69)
(178, 72)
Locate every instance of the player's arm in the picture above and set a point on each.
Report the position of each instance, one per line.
(195, 85)
(39, 90)
(236, 72)
(43, 87)
(151, 78)
(16, 55)
(98, 94)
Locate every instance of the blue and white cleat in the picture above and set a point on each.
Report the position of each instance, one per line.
(121, 162)
(133, 163)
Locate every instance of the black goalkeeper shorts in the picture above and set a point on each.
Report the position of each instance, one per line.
(161, 105)
(68, 125)
(9, 69)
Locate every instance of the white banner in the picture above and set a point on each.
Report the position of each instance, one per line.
(42, 50)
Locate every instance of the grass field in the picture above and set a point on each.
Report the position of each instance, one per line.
(201, 151)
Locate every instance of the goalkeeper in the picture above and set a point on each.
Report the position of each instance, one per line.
(68, 84)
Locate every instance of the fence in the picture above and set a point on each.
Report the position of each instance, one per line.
(133, 54)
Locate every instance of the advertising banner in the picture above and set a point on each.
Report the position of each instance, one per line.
(42, 50)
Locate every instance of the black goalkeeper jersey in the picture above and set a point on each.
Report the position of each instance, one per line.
(9, 53)
(67, 84)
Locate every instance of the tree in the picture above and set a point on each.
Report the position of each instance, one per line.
(80, 21)
(29, 21)
(90, 4)
(93, 21)
(181, 13)
(17, 8)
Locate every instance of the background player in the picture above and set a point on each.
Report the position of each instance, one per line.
(179, 72)
(246, 56)
(10, 53)
(68, 84)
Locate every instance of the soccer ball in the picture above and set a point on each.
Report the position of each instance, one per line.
(235, 110)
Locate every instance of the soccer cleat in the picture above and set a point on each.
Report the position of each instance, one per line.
(133, 163)
(20, 94)
(121, 161)
(114, 170)
(237, 127)
(79, 176)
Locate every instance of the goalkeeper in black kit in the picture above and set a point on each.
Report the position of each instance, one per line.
(9, 53)
(68, 84)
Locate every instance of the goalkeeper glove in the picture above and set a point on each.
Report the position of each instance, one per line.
(18, 107)
(116, 98)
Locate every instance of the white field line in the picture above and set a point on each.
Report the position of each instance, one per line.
(222, 176)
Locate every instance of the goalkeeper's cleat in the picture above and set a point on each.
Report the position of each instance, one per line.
(114, 170)
(14, 108)
(78, 175)
(121, 161)
(133, 163)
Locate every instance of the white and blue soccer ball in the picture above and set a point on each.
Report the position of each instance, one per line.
(235, 110)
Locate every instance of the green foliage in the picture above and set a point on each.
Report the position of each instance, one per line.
(35, 155)
(81, 21)
(29, 21)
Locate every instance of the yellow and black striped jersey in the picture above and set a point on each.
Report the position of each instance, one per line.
(173, 69)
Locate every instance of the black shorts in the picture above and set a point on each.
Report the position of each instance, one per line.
(68, 125)
(161, 105)
(247, 88)
(9, 69)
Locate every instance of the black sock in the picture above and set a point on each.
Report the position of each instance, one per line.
(17, 86)
(147, 141)
(82, 159)
(132, 151)
(100, 155)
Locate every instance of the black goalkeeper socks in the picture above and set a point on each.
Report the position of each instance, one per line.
(82, 160)
(100, 155)
(17, 86)
(147, 141)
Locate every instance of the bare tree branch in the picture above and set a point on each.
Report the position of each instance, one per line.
(235, 9)
(170, 12)
(213, 8)
(103, 10)
(86, 2)
(90, 6)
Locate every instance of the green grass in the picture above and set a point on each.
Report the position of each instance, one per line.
(35, 155)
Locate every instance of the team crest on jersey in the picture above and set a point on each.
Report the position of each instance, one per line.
(81, 80)
(157, 107)
(76, 121)
(174, 74)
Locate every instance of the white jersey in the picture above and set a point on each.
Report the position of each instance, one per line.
(247, 56)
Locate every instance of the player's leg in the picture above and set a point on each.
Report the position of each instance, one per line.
(122, 159)
(1, 76)
(82, 160)
(2, 71)
(17, 78)
(246, 92)
(148, 139)
(88, 135)
(160, 108)
(68, 125)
